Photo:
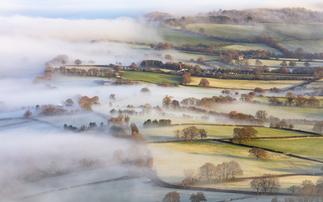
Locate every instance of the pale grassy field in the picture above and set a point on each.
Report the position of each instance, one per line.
(178, 55)
(244, 84)
(313, 46)
(233, 31)
(296, 30)
(285, 183)
(251, 46)
(172, 158)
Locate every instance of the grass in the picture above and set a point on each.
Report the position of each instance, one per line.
(151, 77)
(251, 46)
(178, 38)
(134, 190)
(313, 46)
(244, 84)
(172, 158)
(309, 147)
(234, 31)
(300, 31)
(180, 55)
(166, 133)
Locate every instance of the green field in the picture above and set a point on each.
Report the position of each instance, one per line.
(308, 147)
(245, 84)
(166, 133)
(151, 77)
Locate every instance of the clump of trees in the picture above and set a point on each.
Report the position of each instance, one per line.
(198, 197)
(259, 90)
(69, 102)
(27, 114)
(292, 100)
(266, 183)
(283, 124)
(209, 173)
(125, 82)
(318, 127)
(308, 191)
(207, 102)
(244, 118)
(136, 155)
(51, 110)
(145, 90)
(86, 103)
(155, 123)
(172, 196)
(190, 133)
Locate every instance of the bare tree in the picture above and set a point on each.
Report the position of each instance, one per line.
(177, 134)
(203, 133)
(228, 170)
(261, 114)
(256, 184)
(269, 183)
(207, 172)
(146, 109)
(318, 127)
(293, 189)
(189, 177)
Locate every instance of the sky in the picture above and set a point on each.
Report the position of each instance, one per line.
(75, 9)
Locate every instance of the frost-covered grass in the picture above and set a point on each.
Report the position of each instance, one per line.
(134, 190)
(313, 46)
(72, 179)
(76, 120)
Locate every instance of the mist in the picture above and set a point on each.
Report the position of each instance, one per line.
(28, 42)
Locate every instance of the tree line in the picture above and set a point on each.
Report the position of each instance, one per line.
(291, 99)
(190, 133)
(210, 173)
